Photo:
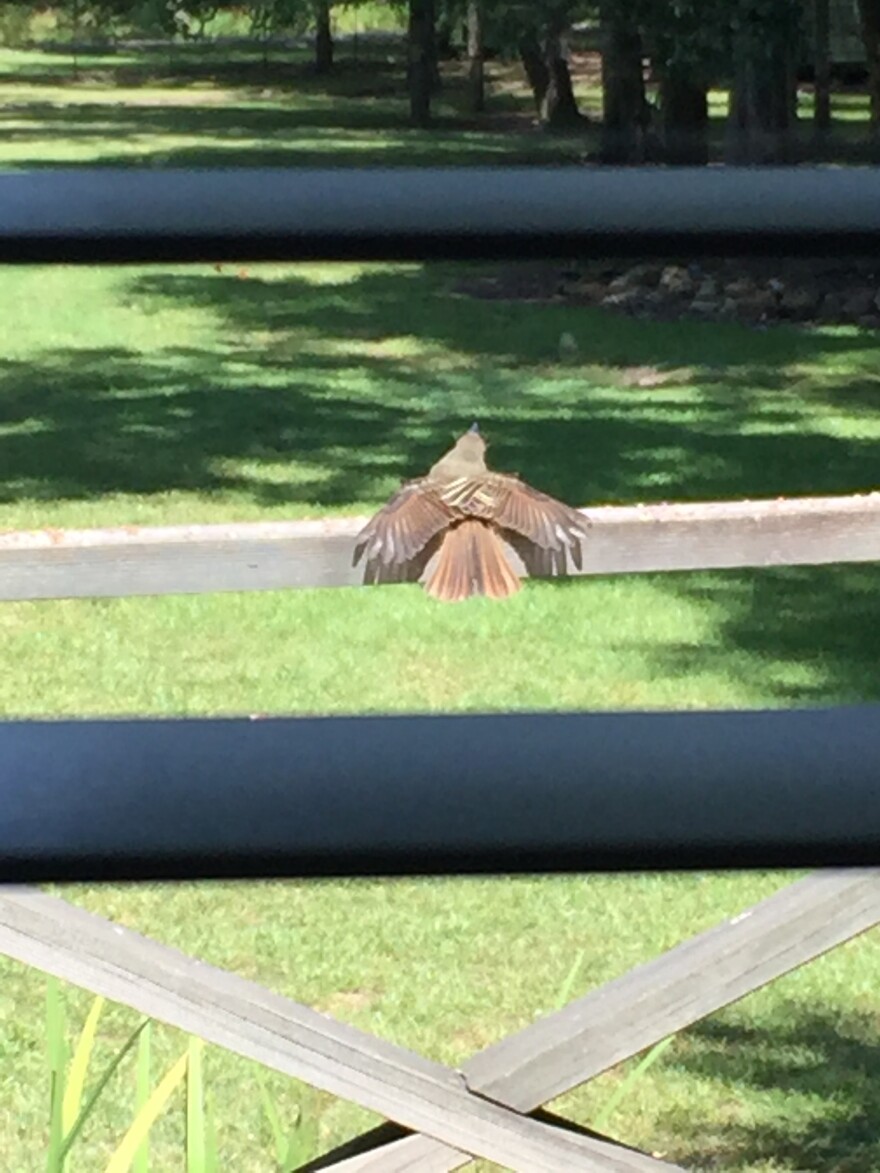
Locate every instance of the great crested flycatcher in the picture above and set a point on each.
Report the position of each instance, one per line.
(469, 514)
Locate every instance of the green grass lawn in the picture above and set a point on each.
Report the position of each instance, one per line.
(194, 106)
(203, 105)
(187, 394)
(170, 395)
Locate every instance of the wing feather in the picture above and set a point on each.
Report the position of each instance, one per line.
(404, 526)
(542, 519)
(514, 505)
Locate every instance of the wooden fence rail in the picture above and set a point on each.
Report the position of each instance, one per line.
(483, 1109)
(51, 564)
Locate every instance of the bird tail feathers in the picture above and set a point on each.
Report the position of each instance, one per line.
(471, 561)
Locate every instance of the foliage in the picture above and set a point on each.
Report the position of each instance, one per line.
(295, 1142)
(69, 1107)
(15, 25)
(507, 21)
(691, 36)
(269, 18)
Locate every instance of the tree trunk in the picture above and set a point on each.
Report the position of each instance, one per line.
(323, 37)
(684, 119)
(547, 71)
(421, 60)
(439, 45)
(625, 113)
(476, 66)
(535, 67)
(559, 110)
(821, 68)
(869, 11)
(762, 104)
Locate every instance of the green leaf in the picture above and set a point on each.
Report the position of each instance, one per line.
(54, 1159)
(141, 1163)
(122, 1159)
(76, 1076)
(302, 1143)
(195, 1108)
(279, 1136)
(568, 985)
(297, 1145)
(212, 1149)
(629, 1083)
(56, 1056)
(103, 1080)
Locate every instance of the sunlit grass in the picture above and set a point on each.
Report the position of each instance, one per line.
(188, 394)
(192, 105)
(782, 1081)
(174, 395)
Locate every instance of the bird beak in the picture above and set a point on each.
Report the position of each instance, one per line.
(475, 427)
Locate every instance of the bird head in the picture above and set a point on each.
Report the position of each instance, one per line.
(464, 458)
(471, 446)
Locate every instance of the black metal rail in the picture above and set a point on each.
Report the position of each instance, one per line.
(438, 794)
(374, 795)
(92, 215)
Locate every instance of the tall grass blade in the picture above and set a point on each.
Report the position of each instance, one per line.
(279, 1136)
(105, 1077)
(302, 1143)
(122, 1159)
(141, 1163)
(564, 996)
(76, 1076)
(195, 1109)
(296, 1145)
(56, 1058)
(212, 1148)
(620, 1092)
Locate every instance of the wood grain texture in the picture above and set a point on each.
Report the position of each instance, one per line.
(245, 1018)
(656, 999)
(54, 564)
(680, 987)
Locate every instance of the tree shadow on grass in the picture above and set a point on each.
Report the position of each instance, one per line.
(175, 65)
(276, 113)
(344, 389)
(92, 422)
(826, 1068)
(728, 417)
(162, 134)
(808, 635)
(365, 381)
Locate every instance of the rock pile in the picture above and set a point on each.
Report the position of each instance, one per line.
(757, 292)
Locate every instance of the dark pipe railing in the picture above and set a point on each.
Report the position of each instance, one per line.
(91, 215)
(332, 796)
(386, 795)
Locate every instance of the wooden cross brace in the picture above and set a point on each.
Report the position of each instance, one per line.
(490, 1107)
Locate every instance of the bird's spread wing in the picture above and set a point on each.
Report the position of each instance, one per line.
(404, 527)
(513, 505)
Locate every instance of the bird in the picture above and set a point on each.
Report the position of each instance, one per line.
(467, 515)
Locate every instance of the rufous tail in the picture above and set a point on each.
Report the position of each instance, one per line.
(471, 561)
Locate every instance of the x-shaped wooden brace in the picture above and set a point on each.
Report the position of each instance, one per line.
(483, 1109)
